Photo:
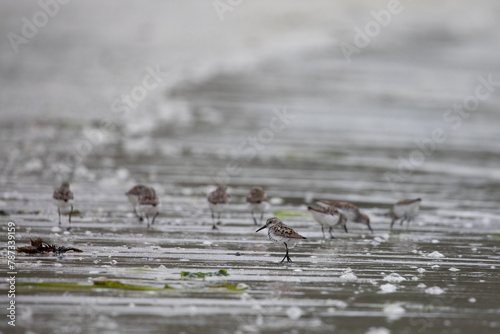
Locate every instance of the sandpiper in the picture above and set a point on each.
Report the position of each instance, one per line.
(145, 198)
(63, 198)
(328, 217)
(405, 210)
(282, 234)
(133, 197)
(350, 210)
(217, 200)
(258, 201)
(148, 202)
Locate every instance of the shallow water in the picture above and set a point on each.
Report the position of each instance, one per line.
(350, 125)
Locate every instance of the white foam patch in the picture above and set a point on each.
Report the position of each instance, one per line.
(435, 290)
(378, 330)
(388, 288)
(336, 303)
(435, 255)
(394, 278)
(348, 275)
(294, 313)
(394, 311)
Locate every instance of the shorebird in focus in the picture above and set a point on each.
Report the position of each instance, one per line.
(282, 234)
(405, 210)
(217, 201)
(258, 201)
(350, 210)
(329, 217)
(63, 198)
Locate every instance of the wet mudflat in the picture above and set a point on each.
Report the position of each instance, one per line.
(434, 276)
(346, 130)
(439, 275)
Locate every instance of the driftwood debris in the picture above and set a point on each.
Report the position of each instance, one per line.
(39, 246)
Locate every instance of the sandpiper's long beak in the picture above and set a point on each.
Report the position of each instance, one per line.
(263, 227)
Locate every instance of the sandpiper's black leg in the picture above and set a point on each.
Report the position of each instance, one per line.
(69, 220)
(286, 255)
(402, 220)
(330, 230)
(369, 227)
(392, 223)
(254, 220)
(59, 212)
(140, 217)
(213, 220)
(147, 219)
(156, 215)
(409, 221)
(283, 259)
(135, 212)
(345, 228)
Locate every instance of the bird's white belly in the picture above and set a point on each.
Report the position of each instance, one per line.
(218, 208)
(148, 209)
(406, 209)
(62, 205)
(290, 242)
(259, 207)
(325, 220)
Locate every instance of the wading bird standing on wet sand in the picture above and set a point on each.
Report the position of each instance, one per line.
(329, 217)
(217, 201)
(258, 201)
(145, 198)
(405, 210)
(282, 234)
(63, 198)
(350, 210)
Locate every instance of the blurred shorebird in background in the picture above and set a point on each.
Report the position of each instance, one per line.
(328, 216)
(145, 199)
(258, 201)
(405, 209)
(350, 210)
(64, 199)
(217, 201)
